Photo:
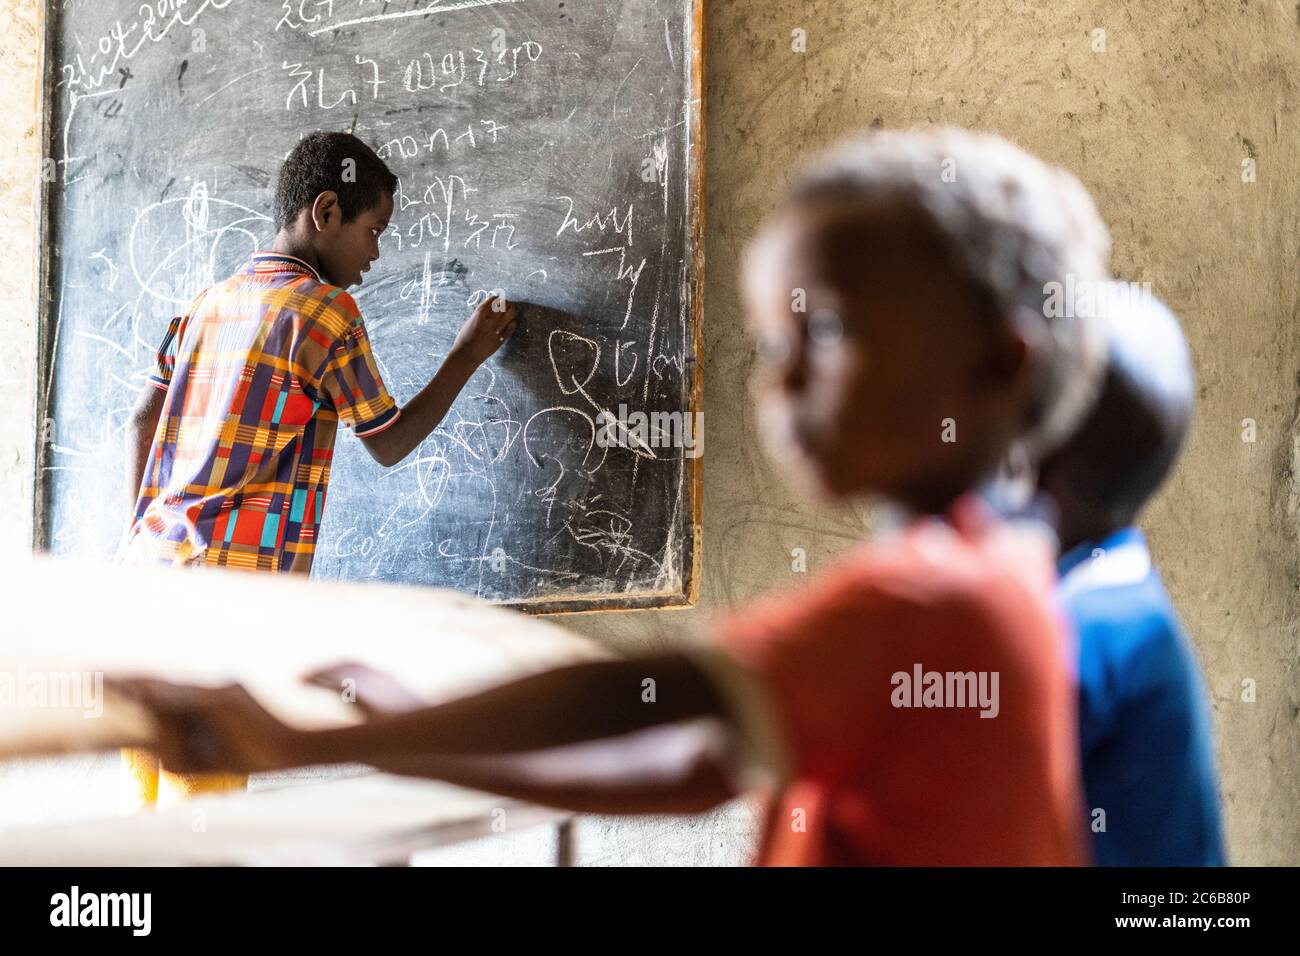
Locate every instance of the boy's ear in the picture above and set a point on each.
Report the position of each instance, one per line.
(325, 210)
(1015, 348)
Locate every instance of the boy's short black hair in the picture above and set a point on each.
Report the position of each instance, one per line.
(318, 163)
(1126, 447)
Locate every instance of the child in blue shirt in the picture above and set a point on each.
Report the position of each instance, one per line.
(1144, 728)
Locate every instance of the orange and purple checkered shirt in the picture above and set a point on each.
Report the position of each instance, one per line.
(258, 375)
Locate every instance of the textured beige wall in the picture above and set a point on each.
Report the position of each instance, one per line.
(19, 147)
(1157, 126)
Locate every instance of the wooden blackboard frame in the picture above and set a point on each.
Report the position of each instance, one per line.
(45, 337)
(42, 345)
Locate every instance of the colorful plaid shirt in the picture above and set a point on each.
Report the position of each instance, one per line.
(258, 375)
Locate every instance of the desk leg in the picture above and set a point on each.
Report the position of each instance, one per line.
(564, 843)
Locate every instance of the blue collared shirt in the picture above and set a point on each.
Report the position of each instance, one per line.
(1144, 728)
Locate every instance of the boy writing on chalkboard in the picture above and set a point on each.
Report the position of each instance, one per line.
(913, 704)
(229, 445)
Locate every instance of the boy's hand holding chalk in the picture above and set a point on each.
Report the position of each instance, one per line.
(492, 322)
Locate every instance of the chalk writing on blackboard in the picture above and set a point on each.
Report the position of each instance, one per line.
(544, 151)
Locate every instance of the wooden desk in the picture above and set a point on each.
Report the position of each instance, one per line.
(375, 818)
(70, 623)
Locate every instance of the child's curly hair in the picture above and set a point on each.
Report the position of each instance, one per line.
(1012, 225)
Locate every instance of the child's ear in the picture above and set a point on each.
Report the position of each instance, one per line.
(1014, 347)
(1000, 361)
(325, 209)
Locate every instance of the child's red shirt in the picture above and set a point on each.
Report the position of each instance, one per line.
(869, 781)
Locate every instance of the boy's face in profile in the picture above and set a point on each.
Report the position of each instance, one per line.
(888, 358)
(346, 249)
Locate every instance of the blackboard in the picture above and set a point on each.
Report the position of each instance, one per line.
(548, 149)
